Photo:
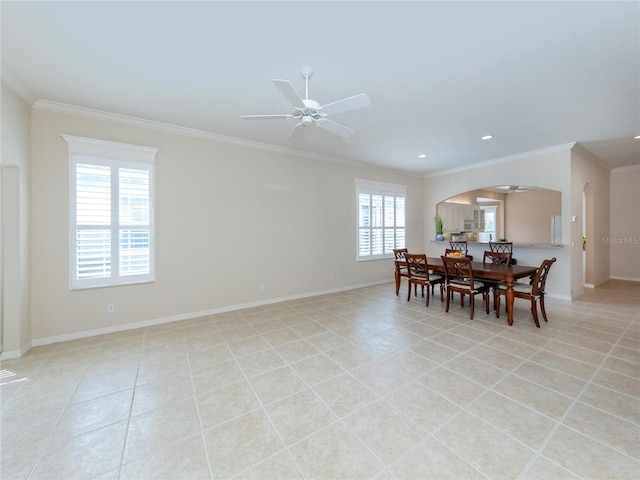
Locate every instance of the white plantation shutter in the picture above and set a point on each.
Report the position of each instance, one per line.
(134, 220)
(381, 219)
(111, 213)
(93, 221)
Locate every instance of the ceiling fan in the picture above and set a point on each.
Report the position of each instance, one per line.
(308, 111)
(514, 188)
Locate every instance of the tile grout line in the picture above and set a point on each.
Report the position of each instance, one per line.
(48, 440)
(488, 389)
(53, 428)
(133, 397)
(262, 408)
(335, 310)
(569, 409)
(197, 403)
(338, 418)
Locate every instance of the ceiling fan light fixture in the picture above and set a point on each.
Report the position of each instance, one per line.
(486, 137)
(422, 155)
(637, 137)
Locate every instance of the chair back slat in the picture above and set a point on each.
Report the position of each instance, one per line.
(501, 247)
(416, 264)
(399, 253)
(458, 270)
(540, 278)
(497, 258)
(460, 246)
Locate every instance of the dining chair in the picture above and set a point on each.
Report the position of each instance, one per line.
(449, 251)
(418, 269)
(400, 266)
(460, 246)
(501, 247)
(495, 258)
(533, 292)
(459, 278)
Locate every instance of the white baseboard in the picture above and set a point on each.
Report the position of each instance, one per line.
(559, 297)
(13, 354)
(629, 279)
(185, 316)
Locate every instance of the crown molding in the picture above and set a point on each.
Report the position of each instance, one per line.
(94, 114)
(566, 147)
(581, 149)
(626, 168)
(16, 84)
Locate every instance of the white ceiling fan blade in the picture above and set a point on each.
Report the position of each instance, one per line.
(291, 134)
(265, 117)
(286, 88)
(357, 101)
(335, 128)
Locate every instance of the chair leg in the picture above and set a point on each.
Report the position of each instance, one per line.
(428, 294)
(497, 301)
(409, 290)
(397, 283)
(472, 303)
(487, 303)
(534, 312)
(448, 299)
(544, 313)
(441, 293)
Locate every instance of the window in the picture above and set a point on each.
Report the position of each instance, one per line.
(381, 219)
(489, 233)
(111, 203)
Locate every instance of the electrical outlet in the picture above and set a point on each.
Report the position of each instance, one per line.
(111, 308)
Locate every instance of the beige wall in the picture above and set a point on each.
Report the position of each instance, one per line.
(587, 169)
(624, 230)
(527, 169)
(14, 245)
(528, 215)
(228, 218)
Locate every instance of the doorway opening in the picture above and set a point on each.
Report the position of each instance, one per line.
(587, 237)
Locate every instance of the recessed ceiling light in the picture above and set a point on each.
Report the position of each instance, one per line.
(486, 137)
(422, 155)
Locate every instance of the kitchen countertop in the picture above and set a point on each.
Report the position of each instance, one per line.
(515, 245)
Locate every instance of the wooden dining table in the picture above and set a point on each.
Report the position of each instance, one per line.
(506, 273)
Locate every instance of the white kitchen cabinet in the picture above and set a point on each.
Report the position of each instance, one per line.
(455, 215)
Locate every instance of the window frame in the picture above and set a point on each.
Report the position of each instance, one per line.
(371, 187)
(116, 156)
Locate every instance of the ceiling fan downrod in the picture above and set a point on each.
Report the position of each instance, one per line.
(306, 73)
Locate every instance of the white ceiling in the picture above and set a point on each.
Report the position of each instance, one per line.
(439, 74)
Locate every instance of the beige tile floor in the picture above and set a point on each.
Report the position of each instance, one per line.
(358, 384)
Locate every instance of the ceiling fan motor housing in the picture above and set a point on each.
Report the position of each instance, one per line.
(310, 110)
